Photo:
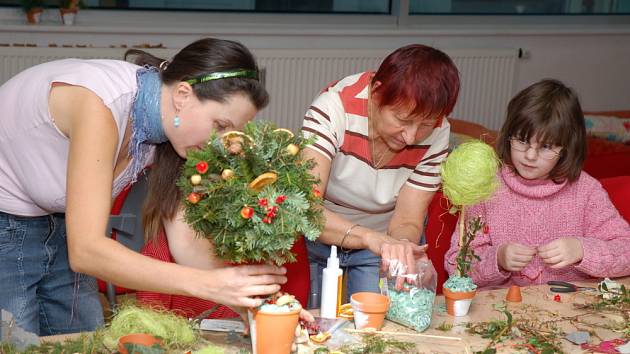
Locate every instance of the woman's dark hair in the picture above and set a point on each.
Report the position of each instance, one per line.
(551, 112)
(199, 58)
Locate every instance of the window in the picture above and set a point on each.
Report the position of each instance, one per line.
(518, 7)
(276, 6)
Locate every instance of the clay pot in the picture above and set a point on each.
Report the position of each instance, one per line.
(68, 15)
(271, 332)
(458, 303)
(369, 310)
(34, 15)
(514, 294)
(142, 339)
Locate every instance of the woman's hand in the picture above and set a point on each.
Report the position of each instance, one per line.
(513, 257)
(398, 257)
(562, 252)
(239, 286)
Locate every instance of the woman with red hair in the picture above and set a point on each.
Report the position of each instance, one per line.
(380, 139)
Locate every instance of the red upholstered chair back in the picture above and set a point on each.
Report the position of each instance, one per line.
(618, 189)
(440, 227)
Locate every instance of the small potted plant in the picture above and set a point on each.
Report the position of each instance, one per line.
(251, 194)
(33, 9)
(68, 10)
(468, 178)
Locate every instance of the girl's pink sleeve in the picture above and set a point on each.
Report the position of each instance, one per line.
(486, 271)
(606, 242)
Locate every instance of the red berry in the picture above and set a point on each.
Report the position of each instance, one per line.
(263, 202)
(202, 167)
(280, 199)
(247, 212)
(266, 220)
(486, 229)
(272, 209)
(317, 193)
(194, 198)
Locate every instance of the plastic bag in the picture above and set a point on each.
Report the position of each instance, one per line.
(411, 295)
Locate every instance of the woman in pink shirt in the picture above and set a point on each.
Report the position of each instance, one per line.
(549, 220)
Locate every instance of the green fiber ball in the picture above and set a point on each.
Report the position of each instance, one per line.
(469, 173)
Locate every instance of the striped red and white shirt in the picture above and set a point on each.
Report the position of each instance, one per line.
(356, 189)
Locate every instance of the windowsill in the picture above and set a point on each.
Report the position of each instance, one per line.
(221, 24)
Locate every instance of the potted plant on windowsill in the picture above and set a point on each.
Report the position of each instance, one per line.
(68, 10)
(251, 194)
(33, 9)
(468, 177)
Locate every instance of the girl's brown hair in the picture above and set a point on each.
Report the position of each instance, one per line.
(551, 112)
(198, 58)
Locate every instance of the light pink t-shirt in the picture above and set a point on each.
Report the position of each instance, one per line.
(33, 152)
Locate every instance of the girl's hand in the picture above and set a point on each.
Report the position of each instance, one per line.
(238, 286)
(513, 257)
(562, 252)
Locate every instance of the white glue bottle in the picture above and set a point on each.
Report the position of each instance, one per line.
(331, 286)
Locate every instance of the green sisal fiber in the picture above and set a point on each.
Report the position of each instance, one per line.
(469, 173)
(172, 329)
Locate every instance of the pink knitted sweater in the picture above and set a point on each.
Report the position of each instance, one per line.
(536, 212)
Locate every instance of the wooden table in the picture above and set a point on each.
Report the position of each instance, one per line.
(538, 302)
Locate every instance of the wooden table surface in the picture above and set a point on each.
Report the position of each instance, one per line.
(538, 303)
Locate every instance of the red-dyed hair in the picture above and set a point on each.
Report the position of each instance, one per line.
(420, 78)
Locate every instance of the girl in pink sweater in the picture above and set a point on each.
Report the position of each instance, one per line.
(549, 220)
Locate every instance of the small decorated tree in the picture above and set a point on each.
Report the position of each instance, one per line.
(251, 194)
(468, 177)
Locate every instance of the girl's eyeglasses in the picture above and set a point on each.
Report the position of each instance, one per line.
(547, 152)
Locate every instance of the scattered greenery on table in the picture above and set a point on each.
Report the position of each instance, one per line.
(373, 344)
(539, 337)
(618, 303)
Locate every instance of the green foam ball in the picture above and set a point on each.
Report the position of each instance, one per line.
(469, 173)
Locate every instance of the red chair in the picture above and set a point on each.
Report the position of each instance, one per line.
(440, 227)
(618, 189)
(125, 226)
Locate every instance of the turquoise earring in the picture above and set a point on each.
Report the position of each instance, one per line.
(177, 121)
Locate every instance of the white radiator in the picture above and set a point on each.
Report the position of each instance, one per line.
(294, 77)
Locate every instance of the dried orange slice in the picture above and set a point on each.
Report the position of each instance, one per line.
(320, 337)
(233, 134)
(345, 311)
(283, 130)
(263, 180)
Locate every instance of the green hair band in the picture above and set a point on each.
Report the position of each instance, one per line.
(250, 74)
(469, 173)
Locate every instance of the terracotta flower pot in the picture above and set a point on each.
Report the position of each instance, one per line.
(68, 15)
(369, 310)
(458, 303)
(272, 332)
(140, 339)
(34, 15)
(514, 294)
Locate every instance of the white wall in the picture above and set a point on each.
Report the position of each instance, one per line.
(593, 58)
